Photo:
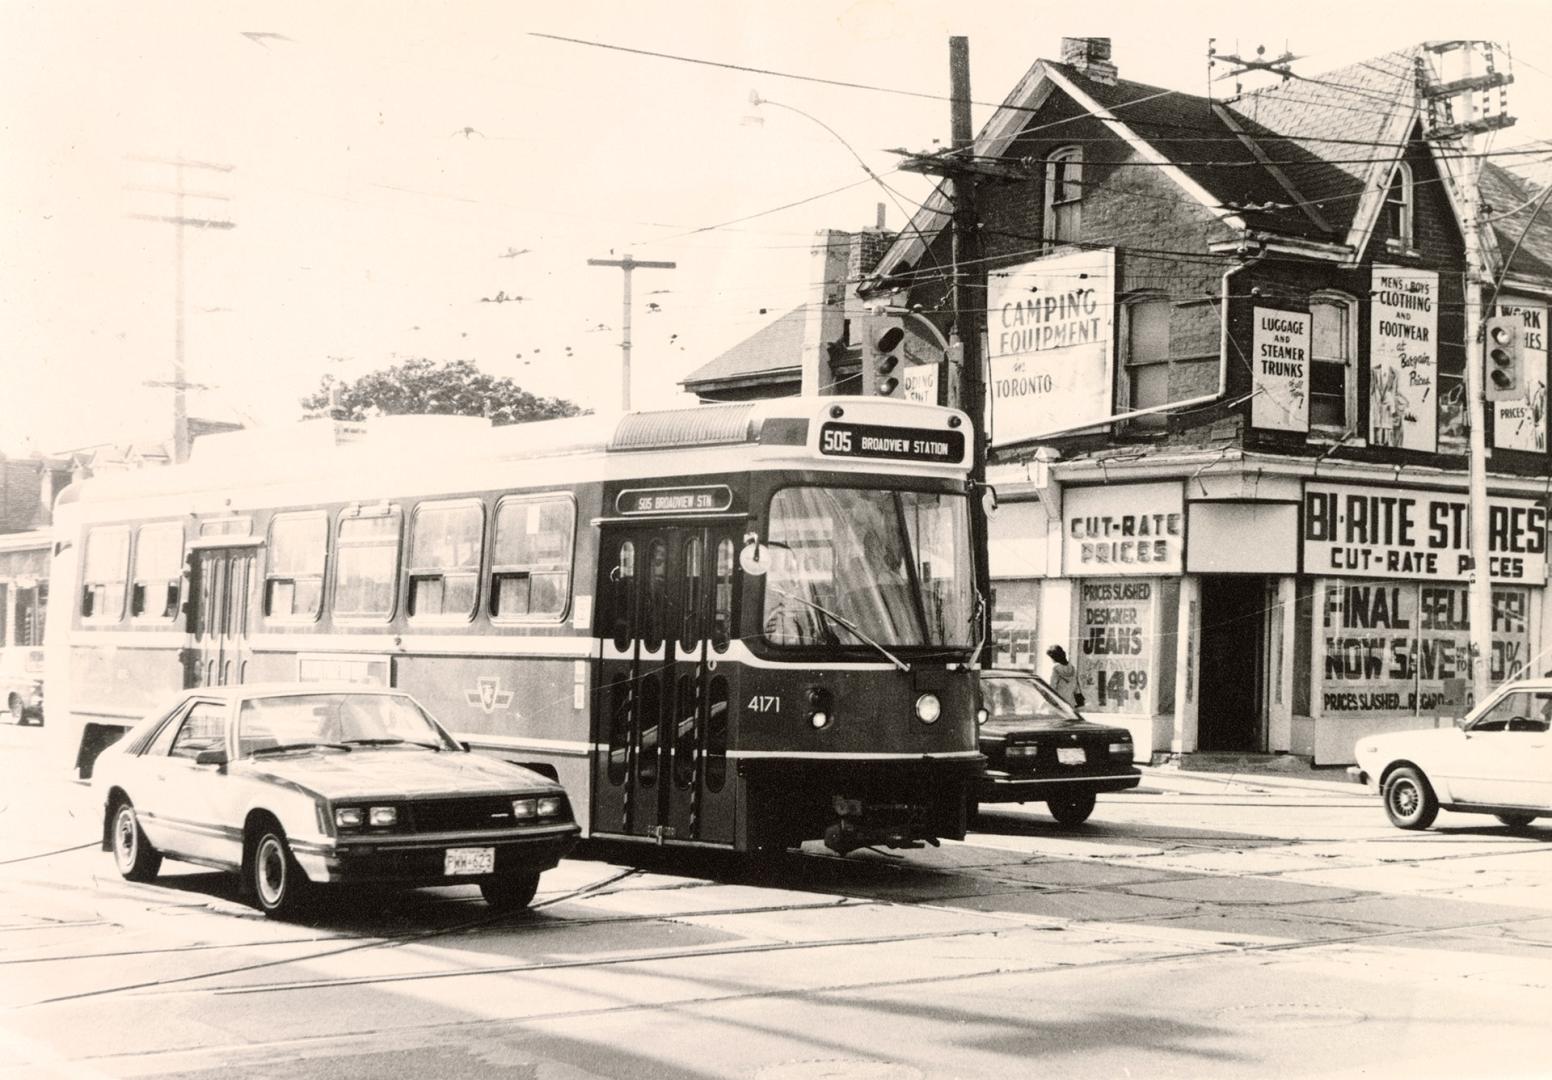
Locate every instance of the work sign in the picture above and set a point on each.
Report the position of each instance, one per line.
(892, 443)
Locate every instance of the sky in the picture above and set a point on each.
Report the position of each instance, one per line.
(413, 180)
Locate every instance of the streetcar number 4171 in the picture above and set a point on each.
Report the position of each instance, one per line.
(764, 703)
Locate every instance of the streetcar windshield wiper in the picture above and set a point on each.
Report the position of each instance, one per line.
(285, 747)
(847, 623)
(392, 742)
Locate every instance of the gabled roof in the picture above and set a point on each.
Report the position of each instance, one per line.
(1510, 204)
(1308, 160)
(774, 350)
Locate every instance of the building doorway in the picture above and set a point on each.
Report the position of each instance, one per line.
(1233, 670)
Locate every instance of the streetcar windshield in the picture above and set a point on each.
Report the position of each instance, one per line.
(848, 565)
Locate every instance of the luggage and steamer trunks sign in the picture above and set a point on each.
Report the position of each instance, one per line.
(1371, 532)
(1280, 347)
(1049, 333)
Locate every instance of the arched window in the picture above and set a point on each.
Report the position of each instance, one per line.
(1333, 370)
(1399, 206)
(1064, 196)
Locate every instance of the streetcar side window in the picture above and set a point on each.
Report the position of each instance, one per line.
(293, 579)
(722, 614)
(530, 574)
(105, 574)
(445, 544)
(367, 563)
(158, 576)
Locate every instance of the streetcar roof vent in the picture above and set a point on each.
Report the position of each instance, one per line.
(703, 425)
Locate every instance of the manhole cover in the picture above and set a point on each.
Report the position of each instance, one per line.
(1294, 1014)
(839, 1069)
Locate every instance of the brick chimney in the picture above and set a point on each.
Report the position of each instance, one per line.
(1091, 56)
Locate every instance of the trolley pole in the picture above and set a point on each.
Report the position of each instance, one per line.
(627, 264)
(182, 220)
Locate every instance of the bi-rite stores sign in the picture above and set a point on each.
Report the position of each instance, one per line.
(1352, 531)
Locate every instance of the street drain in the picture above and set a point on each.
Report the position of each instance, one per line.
(839, 1069)
(1294, 1014)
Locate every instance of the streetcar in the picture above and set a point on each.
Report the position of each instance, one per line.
(739, 626)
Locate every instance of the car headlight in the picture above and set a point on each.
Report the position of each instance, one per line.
(525, 809)
(552, 806)
(1121, 749)
(348, 817)
(928, 708)
(382, 817)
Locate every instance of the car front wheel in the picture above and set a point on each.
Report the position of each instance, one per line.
(1072, 810)
(511, 892)
(279, 884)
(1409, 799)
(1516, 821)
(136, 859)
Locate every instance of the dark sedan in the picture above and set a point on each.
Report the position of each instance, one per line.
(1040, 749)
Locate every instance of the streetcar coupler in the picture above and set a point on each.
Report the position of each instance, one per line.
(879, 825)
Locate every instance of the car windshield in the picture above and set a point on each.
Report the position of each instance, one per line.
(895, 565)
(267, 723)
(1011, 697)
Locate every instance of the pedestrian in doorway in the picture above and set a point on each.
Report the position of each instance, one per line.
(1064, 677)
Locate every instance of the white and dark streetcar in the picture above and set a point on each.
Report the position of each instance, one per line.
(743, 626)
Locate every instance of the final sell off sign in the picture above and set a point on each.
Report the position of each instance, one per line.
(1050, 330)
(1404, 358)
(1280, 346)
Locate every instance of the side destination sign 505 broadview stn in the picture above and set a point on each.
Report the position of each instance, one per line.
(891, 443)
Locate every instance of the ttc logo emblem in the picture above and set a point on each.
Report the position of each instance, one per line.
(488, 694)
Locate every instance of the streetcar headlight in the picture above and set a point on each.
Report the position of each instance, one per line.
(382, 817)
(928, 708)
(348, 817)
(981, 716)
(819, 719)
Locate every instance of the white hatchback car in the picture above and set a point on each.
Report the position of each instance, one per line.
(1497, 760)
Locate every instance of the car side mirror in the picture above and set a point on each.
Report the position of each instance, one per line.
(211, 757)
(466, 747)
(1460, 722)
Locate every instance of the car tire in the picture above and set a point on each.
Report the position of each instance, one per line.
(280, 887)
(1409, 799)
(136, 859)
(1516, 821)
(1072, 810)
(511, 892)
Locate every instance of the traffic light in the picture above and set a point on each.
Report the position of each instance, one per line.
(1505, 361)
(883, 354)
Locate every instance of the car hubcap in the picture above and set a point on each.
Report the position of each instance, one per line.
(272, 870)
(124, 837)
(1404, 798)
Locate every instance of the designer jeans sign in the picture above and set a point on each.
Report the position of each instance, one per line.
(1049, 337)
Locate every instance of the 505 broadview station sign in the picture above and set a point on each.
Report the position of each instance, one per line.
(1352, 531)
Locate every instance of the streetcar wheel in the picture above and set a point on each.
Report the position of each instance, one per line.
(1409, 799)
(1073, 810)
(279, 884)
(1516, 821)
(136, 859)
(511, 892)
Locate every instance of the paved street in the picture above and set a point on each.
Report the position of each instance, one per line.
(1202, 926)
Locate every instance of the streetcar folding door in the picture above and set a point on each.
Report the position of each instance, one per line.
(221, 615)
(660, 718)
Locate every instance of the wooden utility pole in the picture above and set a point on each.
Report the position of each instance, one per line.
(627, 264)
(181, 220)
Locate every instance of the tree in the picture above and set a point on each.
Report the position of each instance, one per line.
(456, 388)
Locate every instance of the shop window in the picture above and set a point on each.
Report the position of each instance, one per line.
(105, 574)
(1333, 349)
(531, 562)
(1147, 356)
(158, 574)
(1064, 196)
(1399, 206)
(293, 578)
(446, 540)
(367, 563)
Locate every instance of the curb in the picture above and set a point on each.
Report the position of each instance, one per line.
(1163, 774)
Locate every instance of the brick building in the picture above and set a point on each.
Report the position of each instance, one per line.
(1226, 355)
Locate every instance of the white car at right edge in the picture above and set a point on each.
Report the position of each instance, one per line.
(1497, 760)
